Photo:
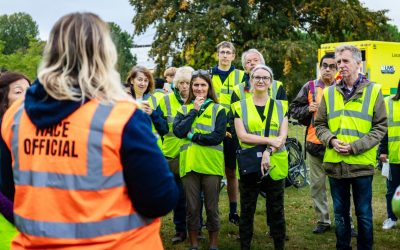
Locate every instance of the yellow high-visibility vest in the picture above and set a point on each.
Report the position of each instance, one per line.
(253, 124)
(393, 113)
(224, 89)
(198, 158)
(351, 121)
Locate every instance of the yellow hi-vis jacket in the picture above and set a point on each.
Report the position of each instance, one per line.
(351, 121)
(393, 113)
(153, 104)
(202, 159)
(169, 105)
(253, 124)
(224, 89)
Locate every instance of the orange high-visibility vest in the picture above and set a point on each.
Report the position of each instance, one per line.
(70, 191)
(317, 96)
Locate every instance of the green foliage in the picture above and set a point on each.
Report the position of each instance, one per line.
(124, 43)
(25, 61)
(17, 30)
(287, 32)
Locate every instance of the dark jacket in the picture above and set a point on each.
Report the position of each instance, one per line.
(150, 184)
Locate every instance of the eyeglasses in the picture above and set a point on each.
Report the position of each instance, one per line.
(330, 66)
(259, 78)
(225, 52)
(199, 72)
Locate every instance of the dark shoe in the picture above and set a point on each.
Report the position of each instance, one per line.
(179, 237)
(354, 233)
(320, 228)
(193, 248)
(234, 219)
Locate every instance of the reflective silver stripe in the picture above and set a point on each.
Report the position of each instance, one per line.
(394, 138)
(257, 133)
(237, 75)
(227, 106)
(391, 122)
(356, 114)
(185, 146)
(331, 96)
(80, 230)
(152, 99)
(273, 132)
(241, 91)
(281, 149)
(217, 147)
(245, 117)
(225, 91)
(351, 113)
(14, 141)
(184, 109)
(274, 89)
(94, 180)
(204, 127)
(214, 116)
(351, 132)
(279, 108)
(170, 118)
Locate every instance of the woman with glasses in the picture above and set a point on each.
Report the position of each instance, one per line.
(254, 119)
(142, 87)
(201, 122)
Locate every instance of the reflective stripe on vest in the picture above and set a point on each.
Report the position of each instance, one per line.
(94, 179)
(38, 179)
(393, 113)
(350, 121)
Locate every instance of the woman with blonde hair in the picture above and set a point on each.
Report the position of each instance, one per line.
(87, 171)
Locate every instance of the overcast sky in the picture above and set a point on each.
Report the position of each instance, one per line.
(47, 12)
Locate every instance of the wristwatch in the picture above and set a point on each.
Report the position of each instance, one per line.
(270, 151)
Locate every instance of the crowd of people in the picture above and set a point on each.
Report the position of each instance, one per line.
(90, 163)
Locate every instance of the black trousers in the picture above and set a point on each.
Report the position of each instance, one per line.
(249, 190)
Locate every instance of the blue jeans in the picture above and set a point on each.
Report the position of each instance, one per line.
(362, 197)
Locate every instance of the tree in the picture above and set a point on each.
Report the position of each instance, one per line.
(288, 33)
(124, 43)
(24, 61)
(16, 31)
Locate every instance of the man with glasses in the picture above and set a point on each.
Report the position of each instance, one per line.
(304, 108)
(351, 121)
(224, 78)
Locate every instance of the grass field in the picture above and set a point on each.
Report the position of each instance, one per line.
(300, 221)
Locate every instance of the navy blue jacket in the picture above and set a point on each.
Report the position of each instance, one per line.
(151, 185)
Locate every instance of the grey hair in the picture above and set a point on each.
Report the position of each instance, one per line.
(264, 67)
(250, 51)
(183, 74)
(356, 52)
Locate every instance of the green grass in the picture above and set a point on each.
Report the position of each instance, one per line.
(300, 221)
